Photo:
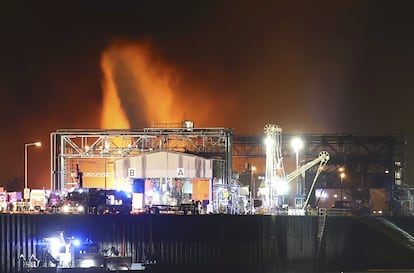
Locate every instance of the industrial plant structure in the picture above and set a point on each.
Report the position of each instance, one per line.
(135, 176)
(131, 159)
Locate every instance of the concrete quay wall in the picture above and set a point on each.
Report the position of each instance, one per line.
(216, 243)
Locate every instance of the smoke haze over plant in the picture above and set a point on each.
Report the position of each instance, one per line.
(140, 88)
(310, 67)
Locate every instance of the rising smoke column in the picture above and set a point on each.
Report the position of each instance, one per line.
(113, 114)
(140, 87)
(137, 87)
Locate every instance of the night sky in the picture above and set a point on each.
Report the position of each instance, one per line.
(308, 66)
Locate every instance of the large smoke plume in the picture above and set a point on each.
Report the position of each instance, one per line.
(140, 89)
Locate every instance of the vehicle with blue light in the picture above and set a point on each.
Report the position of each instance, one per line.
(75, 202)
(105, 201)
(76, 254)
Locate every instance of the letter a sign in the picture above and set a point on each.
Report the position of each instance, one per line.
(180, 172)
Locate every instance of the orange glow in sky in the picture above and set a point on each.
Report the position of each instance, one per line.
(113, 116)
(139, 89)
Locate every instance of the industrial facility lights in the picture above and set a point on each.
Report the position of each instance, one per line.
(297, 144)
(26, 145)
(342, 176)
(268, 141)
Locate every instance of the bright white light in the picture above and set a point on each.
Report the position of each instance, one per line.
(282, 188)
(55, 245)
(127, 188)
(76, 242)
(86, 263)
(297, 144)
(38, 144)
(81, 208)
(137, 200)
(268, 141)
(319, 193)
(65, 208)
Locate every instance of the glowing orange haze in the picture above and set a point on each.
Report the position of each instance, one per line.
(134, 78)
(157, 89)
(113, 116)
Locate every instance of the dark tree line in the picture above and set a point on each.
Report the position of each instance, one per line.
(14, 184)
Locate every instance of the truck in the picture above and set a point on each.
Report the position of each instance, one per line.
(3, 201)
(108, 201)
(37, 200)
(54, 202)
(74, 202)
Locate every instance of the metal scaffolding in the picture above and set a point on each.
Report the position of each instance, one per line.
(366, 154)
(382, 152)
(276, 182)
(109, 145)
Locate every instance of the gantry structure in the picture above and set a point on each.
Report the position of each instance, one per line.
(75, 145)
(368, 154)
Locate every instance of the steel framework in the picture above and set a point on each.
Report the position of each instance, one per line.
(370, 153)
(384, 152)
(67, 144)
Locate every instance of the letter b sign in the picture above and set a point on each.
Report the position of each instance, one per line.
(132, 172)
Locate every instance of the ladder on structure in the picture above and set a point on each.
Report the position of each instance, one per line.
(321, 230)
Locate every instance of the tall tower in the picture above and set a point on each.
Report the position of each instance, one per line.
(276, 182)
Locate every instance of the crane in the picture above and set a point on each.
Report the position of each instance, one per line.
(275, 177)
(322, 160)
(276, 180)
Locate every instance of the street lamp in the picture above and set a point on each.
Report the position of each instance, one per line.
(297, 144)
(38, 144)
(342, 175)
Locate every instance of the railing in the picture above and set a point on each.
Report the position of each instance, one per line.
(334, 212)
